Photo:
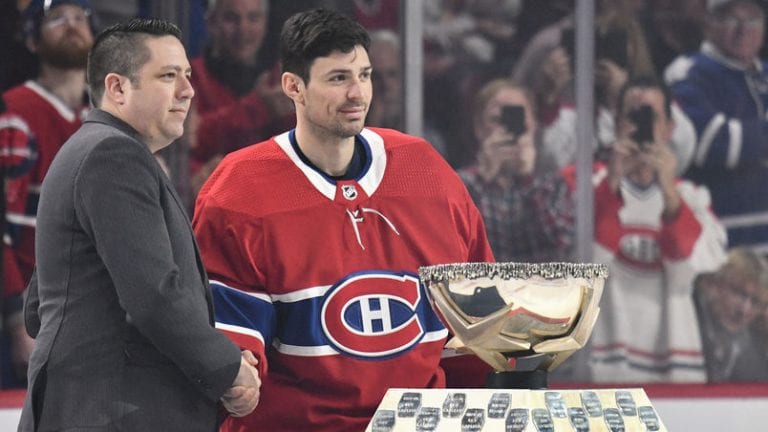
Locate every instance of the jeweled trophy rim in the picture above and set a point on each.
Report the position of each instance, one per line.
(512, 270)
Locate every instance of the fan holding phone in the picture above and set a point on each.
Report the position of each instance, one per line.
(509, 184)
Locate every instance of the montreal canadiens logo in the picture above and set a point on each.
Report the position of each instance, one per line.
(349, 192)
(372, 315)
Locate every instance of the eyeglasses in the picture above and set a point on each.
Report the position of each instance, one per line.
(57, 19)
(732, 22)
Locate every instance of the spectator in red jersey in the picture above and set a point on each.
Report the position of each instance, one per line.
(50, 108)
(238, 97)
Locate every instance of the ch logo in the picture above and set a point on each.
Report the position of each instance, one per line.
(373, 315)
(349, 192)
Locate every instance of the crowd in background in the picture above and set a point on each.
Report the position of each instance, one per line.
(680, 148)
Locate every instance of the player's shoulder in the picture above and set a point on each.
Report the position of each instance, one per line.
(247, 175)
(402, 146)
(393, 138)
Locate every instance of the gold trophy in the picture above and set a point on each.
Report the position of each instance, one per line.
(507, 312)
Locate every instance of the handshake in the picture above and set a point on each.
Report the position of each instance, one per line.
(241, 399)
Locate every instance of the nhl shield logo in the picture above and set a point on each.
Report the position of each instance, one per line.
(349, 192)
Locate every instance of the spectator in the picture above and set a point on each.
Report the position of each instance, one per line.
(16, 157)
(730, 302)
(314, 237)
(387, 110)
(238, 97)
(656, 233)
(51, 107)
(621, 53)
(507, 185)
(724, 90)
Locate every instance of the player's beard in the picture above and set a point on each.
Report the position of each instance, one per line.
(69, 52)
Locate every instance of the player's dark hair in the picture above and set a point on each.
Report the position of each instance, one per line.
(317, 33)
(121, 49)
(644, 82)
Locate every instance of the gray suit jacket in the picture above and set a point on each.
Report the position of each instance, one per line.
(119, 304)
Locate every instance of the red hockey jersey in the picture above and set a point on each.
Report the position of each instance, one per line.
(320, 277)
(50, 123)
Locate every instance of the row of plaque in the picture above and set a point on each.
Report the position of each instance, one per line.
(481, 410)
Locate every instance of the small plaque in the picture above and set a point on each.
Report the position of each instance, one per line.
(542, 420)
(613, 420)
(473, 420)
(498, 405)
(649, 418)
(409, 403)
(454, 405)
(555, 404)
(383, 421)
(626, 403)
(591, 403)
(517, 420)
(427, 419)
(578, 419)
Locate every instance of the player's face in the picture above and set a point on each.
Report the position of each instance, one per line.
(337, 97)
(158, 102)
(237, 28)
(65, 37)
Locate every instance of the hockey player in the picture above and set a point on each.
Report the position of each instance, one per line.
(313, 241)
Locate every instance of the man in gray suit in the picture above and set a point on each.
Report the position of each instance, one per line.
(119, 303)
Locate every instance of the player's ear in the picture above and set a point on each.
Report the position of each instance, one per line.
(293, 87)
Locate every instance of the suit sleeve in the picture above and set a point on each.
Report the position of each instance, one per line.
(118, 203)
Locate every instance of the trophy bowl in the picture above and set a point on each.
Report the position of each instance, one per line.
(504, 312)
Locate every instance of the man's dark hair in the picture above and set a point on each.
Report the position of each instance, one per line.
(317, 33)
(645, 82)
(121, 49)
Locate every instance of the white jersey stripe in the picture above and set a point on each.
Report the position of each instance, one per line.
(240, 330)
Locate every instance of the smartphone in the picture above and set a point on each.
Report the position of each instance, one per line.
(513, 119)
(642, 118)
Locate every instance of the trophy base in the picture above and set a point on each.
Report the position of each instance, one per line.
(528, 380)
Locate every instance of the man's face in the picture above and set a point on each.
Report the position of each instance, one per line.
(157, 103)
(736, 302)
(643, 172)
(237, 29)
(337, 97)
(738, 32)
(65, 37)
(387, 76)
